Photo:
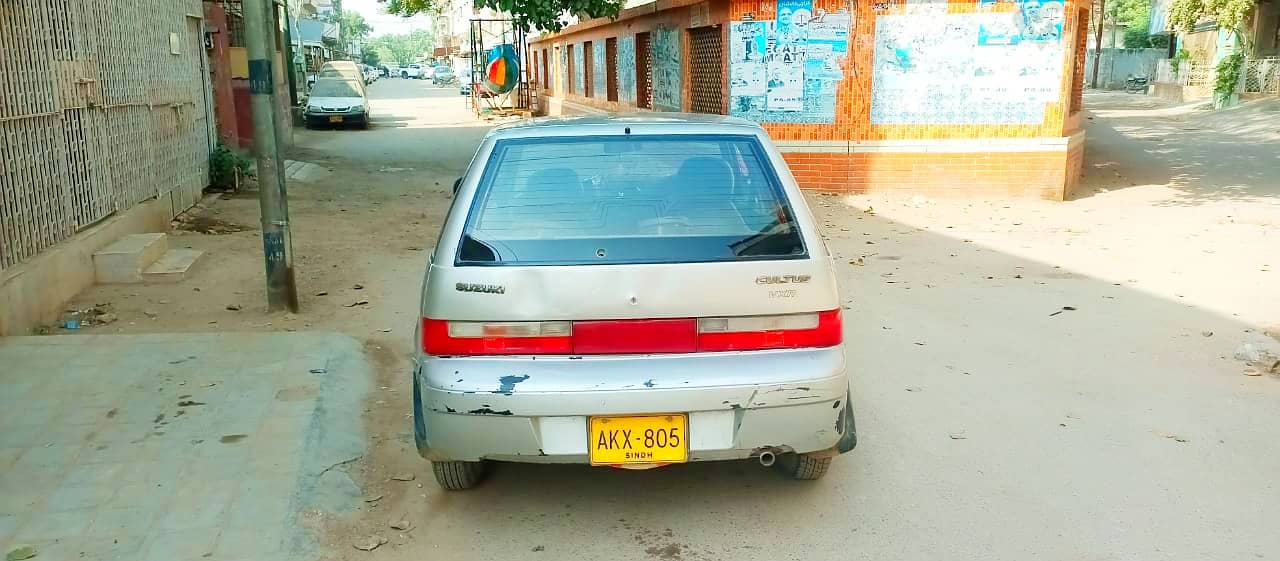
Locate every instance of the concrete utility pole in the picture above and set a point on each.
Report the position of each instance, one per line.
(259, 33)
(1097, 43)
(1111, 72)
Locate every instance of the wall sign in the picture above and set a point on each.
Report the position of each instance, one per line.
(786, 71)
(966, 69)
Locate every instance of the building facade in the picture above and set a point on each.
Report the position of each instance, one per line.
(937, 97)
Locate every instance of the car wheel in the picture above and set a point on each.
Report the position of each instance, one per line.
(458, 476)
(803, 466)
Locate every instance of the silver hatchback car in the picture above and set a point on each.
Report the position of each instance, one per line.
(630, 291)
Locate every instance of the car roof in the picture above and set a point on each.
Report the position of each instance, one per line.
(619, 123)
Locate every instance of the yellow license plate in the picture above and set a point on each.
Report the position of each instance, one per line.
(335, 118)
(648, 439)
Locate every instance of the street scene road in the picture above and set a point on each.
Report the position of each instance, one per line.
(1032, 379)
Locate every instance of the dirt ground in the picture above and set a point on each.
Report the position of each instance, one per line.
(1031, 377)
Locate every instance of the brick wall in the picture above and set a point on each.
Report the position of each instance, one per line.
(224, 103)
(851, 152)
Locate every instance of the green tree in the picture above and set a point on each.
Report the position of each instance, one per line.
(371, 57)
(402, 48)
(529, 14)
(352, 28)
(1230, 14)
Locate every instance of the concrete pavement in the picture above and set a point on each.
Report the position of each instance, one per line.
(176, 447)
(994, 424)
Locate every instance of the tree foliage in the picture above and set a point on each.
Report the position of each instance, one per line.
(351, 27)
(402, 48)
(1135, 17)
(547, 15)
(1230, 14)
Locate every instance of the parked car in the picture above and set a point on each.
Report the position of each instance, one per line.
(384, 71)
(630, 291)
(412, 71)
(441, 75)
(343, 69)
(337, 101)
(340, 69)
(370, 74)
(464, 88)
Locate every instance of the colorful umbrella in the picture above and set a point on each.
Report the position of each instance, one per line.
(503, 71)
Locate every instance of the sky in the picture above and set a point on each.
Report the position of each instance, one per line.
(382, 23)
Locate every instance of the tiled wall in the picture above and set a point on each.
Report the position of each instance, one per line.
(627, 70)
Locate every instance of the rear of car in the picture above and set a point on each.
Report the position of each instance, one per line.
(343, 69)
(441, 75)
(630, 292)
(337, 101)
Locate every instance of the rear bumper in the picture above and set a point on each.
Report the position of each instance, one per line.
(323, 118)
(543, 419)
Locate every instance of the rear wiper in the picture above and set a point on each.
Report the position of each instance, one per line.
(759, 243)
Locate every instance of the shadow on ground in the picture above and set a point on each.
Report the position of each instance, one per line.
(1133, 141)
(1005, 406)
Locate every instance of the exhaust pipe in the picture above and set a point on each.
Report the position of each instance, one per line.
(767, 458)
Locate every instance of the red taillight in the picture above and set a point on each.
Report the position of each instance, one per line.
(794, 331)
(635, 336)
(745, 333)
(446, 338)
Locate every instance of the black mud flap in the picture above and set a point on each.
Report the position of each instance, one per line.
(848, 430)
(419, 424)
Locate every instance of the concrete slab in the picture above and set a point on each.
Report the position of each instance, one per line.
(172, 266)
(304, 171)
(124, 260)
(185, 446)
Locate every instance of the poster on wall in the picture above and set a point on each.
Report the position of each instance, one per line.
(627, 69)
(667, 93)
(598, 78)
(749, 41)
(785, 71)
(1033, 21)
(938, 70)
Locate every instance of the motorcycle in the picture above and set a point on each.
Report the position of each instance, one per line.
(1136, 84)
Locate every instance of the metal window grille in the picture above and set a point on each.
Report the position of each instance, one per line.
(588, 68)
(235, 22)
(706, 70)
(97, 115)
(569, 69)
(611, 68)
(1262, 75)
(644, 70)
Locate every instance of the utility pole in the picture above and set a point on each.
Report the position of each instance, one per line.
(1097, 43)
(1115, 15)
(259, 32)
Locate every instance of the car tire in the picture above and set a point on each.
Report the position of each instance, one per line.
(458, 476)
(804, 467)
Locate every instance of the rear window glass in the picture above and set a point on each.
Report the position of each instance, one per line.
(629, 199)
(335, 88)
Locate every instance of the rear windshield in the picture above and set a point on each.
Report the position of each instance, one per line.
(334, 88)
(629, 199)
